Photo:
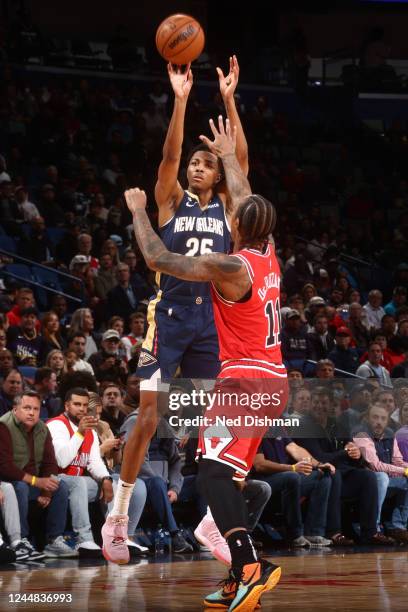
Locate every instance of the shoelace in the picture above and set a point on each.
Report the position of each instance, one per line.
(118, 520)
(231, 581)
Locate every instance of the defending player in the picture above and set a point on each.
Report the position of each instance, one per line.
(245, 289)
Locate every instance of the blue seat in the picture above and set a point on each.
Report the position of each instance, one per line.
(27, 371)
(21, 270)
(8, 244)
(55, 234)
(49, 278)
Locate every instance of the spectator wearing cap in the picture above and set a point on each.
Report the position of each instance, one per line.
(315, 306)
(107, 363)
(372, 366)
(27, 208)
(373, 309)
(26, 344)
(49, 208)
(83, 288)
(322, 283)
(342, 355)
(122, 299)
(319, 341)
(399, 298)
(294, 340)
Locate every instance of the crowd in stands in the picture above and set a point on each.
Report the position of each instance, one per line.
(69, 149)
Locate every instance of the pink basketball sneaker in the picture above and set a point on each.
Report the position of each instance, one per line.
(114, 536)
(207, 533)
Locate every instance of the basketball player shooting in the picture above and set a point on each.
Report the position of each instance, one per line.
(181, 328)
(245, 289)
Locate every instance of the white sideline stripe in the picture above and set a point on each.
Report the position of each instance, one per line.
(272, 365)
(238, 367)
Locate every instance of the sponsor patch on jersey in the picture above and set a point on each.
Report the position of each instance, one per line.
(215, 205)
(146, 359)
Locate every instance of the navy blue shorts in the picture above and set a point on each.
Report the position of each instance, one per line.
(179, 334)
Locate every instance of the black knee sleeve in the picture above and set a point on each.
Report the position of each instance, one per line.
(226, 501)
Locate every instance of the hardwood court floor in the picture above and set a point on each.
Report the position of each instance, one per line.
(314, 581)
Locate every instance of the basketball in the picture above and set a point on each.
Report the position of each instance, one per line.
(180, 39)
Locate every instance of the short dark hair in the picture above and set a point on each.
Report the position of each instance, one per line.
(196, 149)
(75, 391)
(77, 334)
(42, 374)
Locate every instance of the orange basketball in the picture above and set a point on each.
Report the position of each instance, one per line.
(180, 39)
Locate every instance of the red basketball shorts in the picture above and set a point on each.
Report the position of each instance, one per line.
(248, 397)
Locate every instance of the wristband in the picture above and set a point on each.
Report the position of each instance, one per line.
(293, 467)
(33, 480)
(406, 472)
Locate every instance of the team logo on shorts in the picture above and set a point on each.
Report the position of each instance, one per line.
(146, 359)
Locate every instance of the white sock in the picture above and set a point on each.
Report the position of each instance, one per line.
(1, 541)
(122, 498)
(15, 542)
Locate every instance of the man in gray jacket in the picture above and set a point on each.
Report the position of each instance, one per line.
(161, 472)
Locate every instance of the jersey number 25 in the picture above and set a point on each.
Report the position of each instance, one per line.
(199, 247)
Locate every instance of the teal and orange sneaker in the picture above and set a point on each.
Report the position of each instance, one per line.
(256, 579)
(223, 598)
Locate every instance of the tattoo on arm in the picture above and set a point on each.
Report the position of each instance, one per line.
(216, 266)
(237, 183)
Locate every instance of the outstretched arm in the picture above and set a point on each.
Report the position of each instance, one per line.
(214, 267)
(224, 146)
(168, 190)
(228, 85)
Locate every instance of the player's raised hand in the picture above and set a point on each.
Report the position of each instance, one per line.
(181, 81)
(225, 138)
(228, 84)
(135, 199)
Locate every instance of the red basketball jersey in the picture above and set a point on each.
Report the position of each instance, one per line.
(251, 329)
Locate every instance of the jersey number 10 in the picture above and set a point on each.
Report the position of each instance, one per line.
(272, 313)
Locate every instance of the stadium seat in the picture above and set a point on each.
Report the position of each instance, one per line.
(27, 371)
(8, 244)
(21, 270)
